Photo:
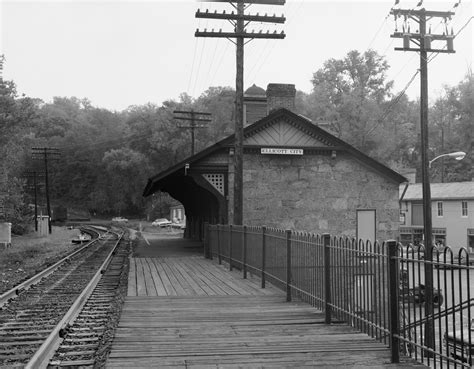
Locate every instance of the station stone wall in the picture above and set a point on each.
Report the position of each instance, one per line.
(318, 194)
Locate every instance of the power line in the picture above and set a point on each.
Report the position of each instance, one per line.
(199, 68)
(465, 25)
(240, 20)
(195, 120)
(212, 61)
(220, 63)
(378, 31)
(263, 59)
(395, 101)
(192, 66)
(422, 41)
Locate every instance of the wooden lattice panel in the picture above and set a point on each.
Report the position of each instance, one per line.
(216, 180)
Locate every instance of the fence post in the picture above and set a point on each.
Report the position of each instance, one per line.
(327, 277)
(264, 246)
(230, 247)
(210, 243)
(206, 240)
(219, 256)
(288, 265)
(393, 270)
(244, 256)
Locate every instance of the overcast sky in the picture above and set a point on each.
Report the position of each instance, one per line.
(122, 53)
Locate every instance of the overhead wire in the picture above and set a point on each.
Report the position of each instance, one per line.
(217, 59)
(397, 99)
(435, 54)
(194, 59)
(378, 31)
(220, 63)
(261, 51)
(134, 138)
(290, 18)
(414, 55)
(199, 67)
(211, 64)
(200, 60)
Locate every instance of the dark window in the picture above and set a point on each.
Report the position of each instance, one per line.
(417, 214)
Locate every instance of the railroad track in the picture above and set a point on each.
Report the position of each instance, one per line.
(34, 323)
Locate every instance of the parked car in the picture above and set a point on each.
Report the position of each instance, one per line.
(458, 344)
(119, 219)
(412, 252)
(417, 293)
(161, 222)
(178, 225)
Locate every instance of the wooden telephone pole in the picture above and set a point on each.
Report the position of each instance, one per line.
(421, 41)
(35, 175)
(193, 117)
(240, 20)
(45, 153)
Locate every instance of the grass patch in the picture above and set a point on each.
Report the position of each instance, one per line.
(31, 253)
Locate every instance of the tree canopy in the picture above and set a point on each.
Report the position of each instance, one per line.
(107, 156)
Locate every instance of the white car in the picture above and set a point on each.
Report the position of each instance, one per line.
(178, 225)
(119, 219)
(161, 222)
(458, 344)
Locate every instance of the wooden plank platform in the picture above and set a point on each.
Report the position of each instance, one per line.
(184, 311)
(190, 276)
(237, 332)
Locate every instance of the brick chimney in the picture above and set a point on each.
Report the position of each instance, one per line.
(279, 96)
(255, 104)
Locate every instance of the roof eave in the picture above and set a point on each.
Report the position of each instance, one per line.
(228, 142)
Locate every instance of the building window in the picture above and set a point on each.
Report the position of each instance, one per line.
(464, 208)
(440, 208)
(417, 214)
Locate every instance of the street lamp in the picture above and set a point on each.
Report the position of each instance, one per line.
(458, 155)
(427, 233)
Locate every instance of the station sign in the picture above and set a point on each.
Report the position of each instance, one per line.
(277, 151)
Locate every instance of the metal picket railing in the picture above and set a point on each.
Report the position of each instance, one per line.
(376, 288)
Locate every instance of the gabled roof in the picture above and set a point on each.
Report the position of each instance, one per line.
(317, 138)
(441, 191)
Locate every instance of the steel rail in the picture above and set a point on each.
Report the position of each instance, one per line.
(46, 351)
(15, 291)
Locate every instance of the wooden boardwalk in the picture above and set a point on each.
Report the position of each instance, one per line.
(188, 312)
(189, 276)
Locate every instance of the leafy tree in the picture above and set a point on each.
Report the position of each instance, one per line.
(107, 156)
(155, 134)
(17, 115)
(452, 129)
(126, 172)
(348, 94)
(220, 102)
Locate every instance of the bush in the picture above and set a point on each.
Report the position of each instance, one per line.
(19, 229)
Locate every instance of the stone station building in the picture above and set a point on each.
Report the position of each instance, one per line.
(296, 176)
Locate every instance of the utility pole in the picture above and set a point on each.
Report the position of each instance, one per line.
(193, 117)
(420, 41)
(34, 174)
(240, 21)
(45, 153)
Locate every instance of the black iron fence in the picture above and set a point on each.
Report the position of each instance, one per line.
(377, 288)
